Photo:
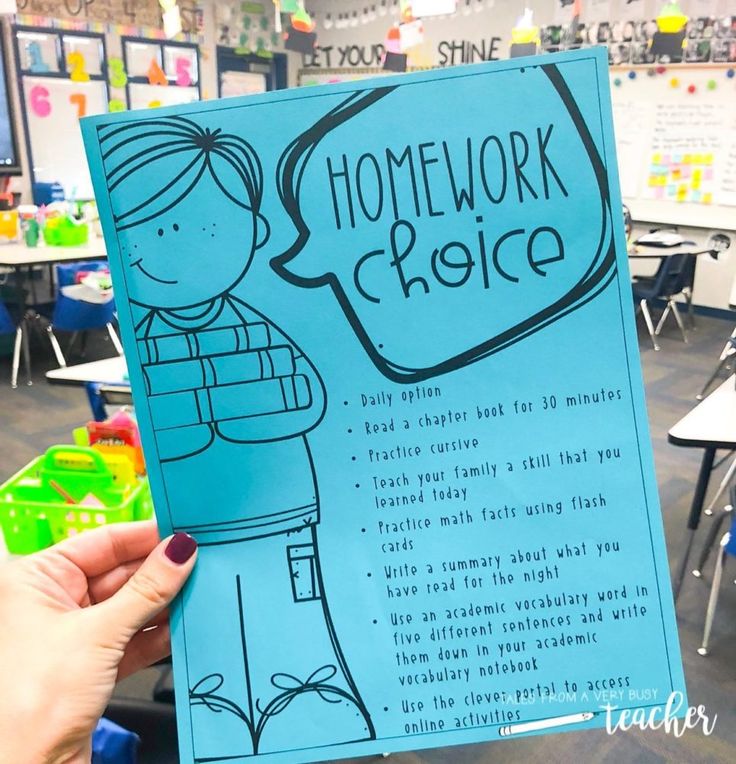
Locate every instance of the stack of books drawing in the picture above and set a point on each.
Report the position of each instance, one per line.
(218, 374)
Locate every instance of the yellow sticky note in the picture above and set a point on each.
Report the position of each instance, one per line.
(707, 198)
(687, 159)
(695, 184)
(697, 159)
(657, 159)
(708, 159)
(652, 180)
(697, 174)
(676, 173)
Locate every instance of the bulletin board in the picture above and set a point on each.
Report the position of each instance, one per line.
(160, 72)
(676, 142)
(62, 77)
(139, 12)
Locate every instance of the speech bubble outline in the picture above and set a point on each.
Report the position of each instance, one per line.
(600, 273)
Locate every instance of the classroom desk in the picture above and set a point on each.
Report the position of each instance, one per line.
(109, 371)
(659, 253)
(111, 374)
(710, 425)
(662, 244)
(20, 258)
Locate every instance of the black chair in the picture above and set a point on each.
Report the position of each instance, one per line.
(687, 291)
(154, 723)
(727, 547)
(651, 278)
(666, 285)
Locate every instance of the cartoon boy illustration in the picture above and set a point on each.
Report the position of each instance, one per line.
(231, 397)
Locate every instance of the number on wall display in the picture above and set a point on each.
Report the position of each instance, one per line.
(40, 104)
(35, 56)
(118, 77)
(156, 74)
(116, 105)
(80, 101)
(183, 77)
(76, 63)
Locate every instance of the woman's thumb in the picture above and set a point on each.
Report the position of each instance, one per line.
(151, 588)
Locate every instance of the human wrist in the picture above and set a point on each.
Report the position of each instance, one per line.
(27, 735)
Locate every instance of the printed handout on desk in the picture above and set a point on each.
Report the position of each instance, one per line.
(381, 342)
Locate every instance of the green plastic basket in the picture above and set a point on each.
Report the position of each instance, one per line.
(33, 515)
(65, 232)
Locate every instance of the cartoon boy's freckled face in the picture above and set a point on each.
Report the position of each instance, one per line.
(185, 201)
(172, 261)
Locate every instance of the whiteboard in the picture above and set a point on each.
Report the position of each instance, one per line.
(143, 95)
(52, 108)
(677, 149)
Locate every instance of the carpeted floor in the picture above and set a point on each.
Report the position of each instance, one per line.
(32, 418)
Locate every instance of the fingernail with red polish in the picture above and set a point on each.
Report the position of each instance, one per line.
(181, 547)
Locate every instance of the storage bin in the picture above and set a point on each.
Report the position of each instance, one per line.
(33, 515)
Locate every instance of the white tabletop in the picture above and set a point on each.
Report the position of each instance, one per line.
(712, 423)
(109, 371)
(659, 253)
(15, 255)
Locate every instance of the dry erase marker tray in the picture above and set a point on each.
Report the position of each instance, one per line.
(35, 514)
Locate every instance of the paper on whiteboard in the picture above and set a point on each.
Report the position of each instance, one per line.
(242, 83)
(686, 139)
(727, 169)
(631, 125)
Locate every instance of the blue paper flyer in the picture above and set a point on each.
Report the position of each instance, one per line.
(382, 348)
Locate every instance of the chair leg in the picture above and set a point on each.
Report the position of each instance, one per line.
(721, 488)
(710, 540)
(648, 321)
(16, 356)
(56, 347)
(728, 348)
(662, 318)
(679, 320)
(713, 599)
(690, 312)
(115, 339)
(26, 352)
